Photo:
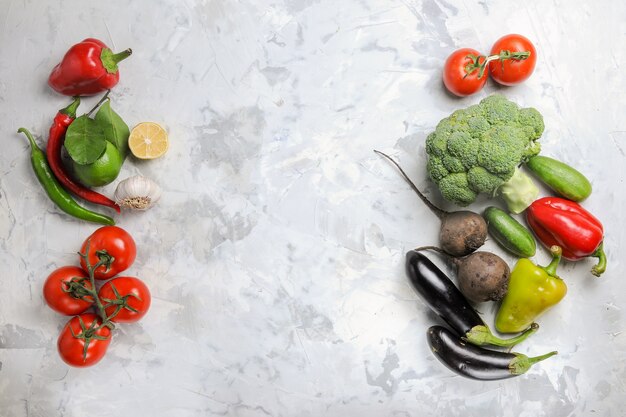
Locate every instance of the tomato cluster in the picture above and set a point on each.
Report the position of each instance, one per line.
(73, 291)
(512, 60)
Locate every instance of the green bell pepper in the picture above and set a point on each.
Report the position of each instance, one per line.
(532, 290)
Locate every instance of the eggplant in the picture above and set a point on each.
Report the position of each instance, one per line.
(440, 294)
(476, 362)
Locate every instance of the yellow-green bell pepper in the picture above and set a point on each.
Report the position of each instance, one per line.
(532, 290)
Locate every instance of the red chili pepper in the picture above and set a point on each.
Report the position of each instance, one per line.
(564, 223)
(88, 68)
(62, 120)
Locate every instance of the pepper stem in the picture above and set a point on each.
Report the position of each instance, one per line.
(556, 252)
(481, 335)
(110, 60)
(600, 267)
(25, 131)
(522, 363)
(120, 56)
(71, 109)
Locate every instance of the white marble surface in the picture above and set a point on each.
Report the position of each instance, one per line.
(276, 254)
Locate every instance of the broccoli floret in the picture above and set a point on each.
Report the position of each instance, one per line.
(474, 110)
(532, 120)
(477, 150)
(482, 181)
(458, 121)
(435, 169)
(498, 110)
(444, 129)
(452, 164)
(465, 148)
(501, 148)
(478, 125)
(436, 145)
(455, 187)
(531, 151)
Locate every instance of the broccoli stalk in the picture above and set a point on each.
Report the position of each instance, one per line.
(518, 192)
(478, 150)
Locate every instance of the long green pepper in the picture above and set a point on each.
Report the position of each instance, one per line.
(54, 190)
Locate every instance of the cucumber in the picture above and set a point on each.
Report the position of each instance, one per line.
(509, 233)
(560, 177)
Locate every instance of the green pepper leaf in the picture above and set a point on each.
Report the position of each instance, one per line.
(115, 130)
(85, 140)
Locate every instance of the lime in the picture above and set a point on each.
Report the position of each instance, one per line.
(103, 171)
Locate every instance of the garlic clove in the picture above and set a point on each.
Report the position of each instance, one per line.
(138, 193)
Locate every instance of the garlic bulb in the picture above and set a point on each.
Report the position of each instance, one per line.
(139, 193)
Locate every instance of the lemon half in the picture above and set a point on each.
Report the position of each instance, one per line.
(148, 140)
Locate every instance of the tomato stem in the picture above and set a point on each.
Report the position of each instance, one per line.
(480, 62)
(106, 321)
(120, 302)
(87, 334)
(75, 288)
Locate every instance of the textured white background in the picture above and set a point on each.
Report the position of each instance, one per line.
(275, 257)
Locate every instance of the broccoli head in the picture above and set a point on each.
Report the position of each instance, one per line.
(478, 149)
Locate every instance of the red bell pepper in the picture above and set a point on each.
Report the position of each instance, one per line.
(88, 68)
(564, 223)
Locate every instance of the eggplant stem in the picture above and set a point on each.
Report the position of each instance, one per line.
(481, 335)
(522, 363)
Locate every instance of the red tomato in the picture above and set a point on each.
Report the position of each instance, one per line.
(112, 243)
(75, 335)
(56, 291)
(461, 72)
(128, 296)
(512, 71)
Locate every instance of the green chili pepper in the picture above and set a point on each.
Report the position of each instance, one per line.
(532, 290)
(54, 190)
